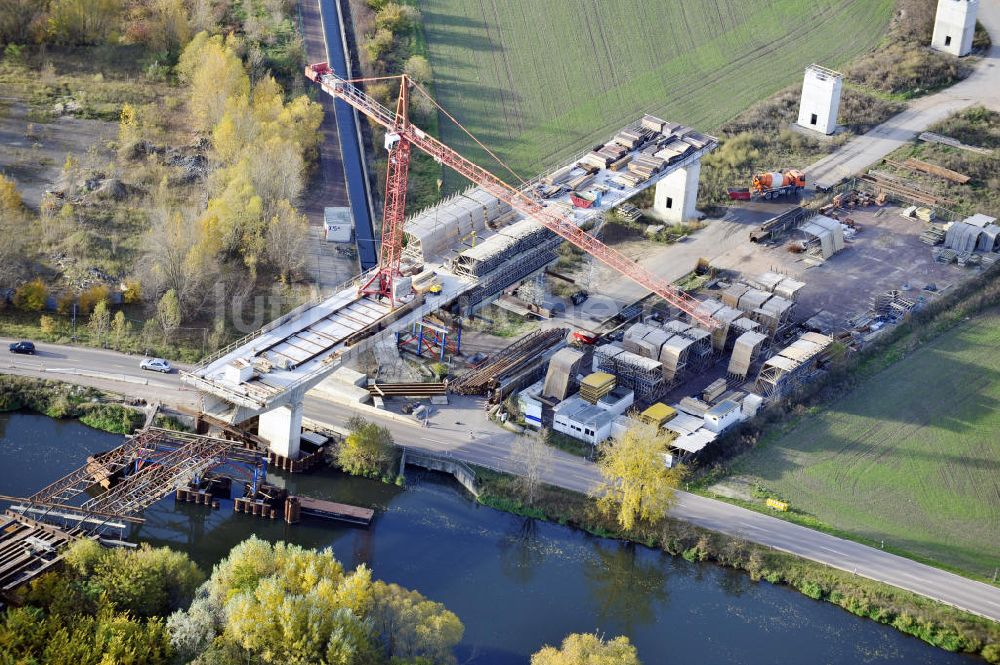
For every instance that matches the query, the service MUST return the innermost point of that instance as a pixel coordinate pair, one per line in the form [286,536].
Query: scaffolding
[792,366]
[644,376]
[747,348]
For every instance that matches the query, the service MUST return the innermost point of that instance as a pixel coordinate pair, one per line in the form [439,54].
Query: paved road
[477,441]
[982,87]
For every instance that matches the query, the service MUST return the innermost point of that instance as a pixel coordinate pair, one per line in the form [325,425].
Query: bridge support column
[282,428]
[676,195]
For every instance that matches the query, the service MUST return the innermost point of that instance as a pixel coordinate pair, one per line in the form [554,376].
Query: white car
[156,365]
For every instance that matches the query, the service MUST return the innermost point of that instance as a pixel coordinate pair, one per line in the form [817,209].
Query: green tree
[367,449]
[100,320]
[146,581]
[214,74]
[412,627]
[396,17]
[282,603]
[587,649]
[168,313]
[287,240]
[418,69]
[637,483]
[83,21]
[31,297]
[121,328]
[379,44]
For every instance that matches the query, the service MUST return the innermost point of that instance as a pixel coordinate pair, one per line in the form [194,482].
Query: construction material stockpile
[644,376]
[509,361]
[597,385]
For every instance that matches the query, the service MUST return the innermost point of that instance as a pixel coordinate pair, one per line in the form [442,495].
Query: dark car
[579,297]
[23,347]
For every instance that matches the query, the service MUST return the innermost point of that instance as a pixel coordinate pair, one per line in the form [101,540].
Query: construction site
[472,307]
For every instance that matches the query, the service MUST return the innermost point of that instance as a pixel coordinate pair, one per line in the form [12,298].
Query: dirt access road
[982,87]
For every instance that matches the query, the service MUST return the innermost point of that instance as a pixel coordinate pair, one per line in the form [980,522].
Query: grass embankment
[63,400]
[892,443]
[976,126]
[541,83]
[935,623]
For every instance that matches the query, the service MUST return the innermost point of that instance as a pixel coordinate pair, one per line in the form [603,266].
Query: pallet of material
[619,164]
[653,123]
[580,182]
[559,175]
[592,160]
[629,179]
[932,235]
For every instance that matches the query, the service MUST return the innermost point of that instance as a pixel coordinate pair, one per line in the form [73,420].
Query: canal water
[515,583]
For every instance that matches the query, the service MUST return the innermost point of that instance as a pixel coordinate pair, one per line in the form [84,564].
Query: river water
[515,583]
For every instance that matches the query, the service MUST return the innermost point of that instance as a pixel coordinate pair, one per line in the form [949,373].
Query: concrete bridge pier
[676,194]
[281,427]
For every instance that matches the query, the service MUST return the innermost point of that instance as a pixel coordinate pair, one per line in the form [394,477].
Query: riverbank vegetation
[102,606]
[65,400]
[264,603]
[588,649]
[368,450]
[933,622]
[168,152]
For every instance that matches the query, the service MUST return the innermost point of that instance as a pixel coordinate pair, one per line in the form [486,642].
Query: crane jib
[552,219]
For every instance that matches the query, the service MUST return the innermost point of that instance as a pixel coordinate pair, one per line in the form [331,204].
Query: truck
[770,185]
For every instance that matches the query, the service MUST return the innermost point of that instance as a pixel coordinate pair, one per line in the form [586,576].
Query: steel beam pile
[509,361]
[407,389]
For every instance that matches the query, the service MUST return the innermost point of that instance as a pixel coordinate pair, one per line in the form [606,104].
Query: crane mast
[552,218]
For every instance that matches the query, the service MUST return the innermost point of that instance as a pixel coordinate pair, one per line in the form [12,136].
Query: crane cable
[447,115]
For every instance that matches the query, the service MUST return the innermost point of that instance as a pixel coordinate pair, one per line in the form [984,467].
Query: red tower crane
[401,135]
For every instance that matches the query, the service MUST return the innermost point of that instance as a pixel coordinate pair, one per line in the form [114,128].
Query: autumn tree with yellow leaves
[638,486]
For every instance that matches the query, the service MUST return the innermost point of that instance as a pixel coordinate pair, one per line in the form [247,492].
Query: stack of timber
[407,389]
[508,361]
[597,385]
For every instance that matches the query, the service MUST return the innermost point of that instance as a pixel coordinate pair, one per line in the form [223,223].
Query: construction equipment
[401,135]
[770,185]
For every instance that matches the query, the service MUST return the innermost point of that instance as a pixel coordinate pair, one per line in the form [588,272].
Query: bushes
[31,297]
[113,418]
[62,400]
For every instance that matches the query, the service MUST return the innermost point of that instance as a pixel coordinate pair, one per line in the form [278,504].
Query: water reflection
[627,586]
[520,554]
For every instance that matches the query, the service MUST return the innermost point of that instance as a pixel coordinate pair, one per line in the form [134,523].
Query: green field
[912,455]
[540,81]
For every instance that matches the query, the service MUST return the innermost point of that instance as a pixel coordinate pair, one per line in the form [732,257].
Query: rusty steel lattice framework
[550,217]
[140,472]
